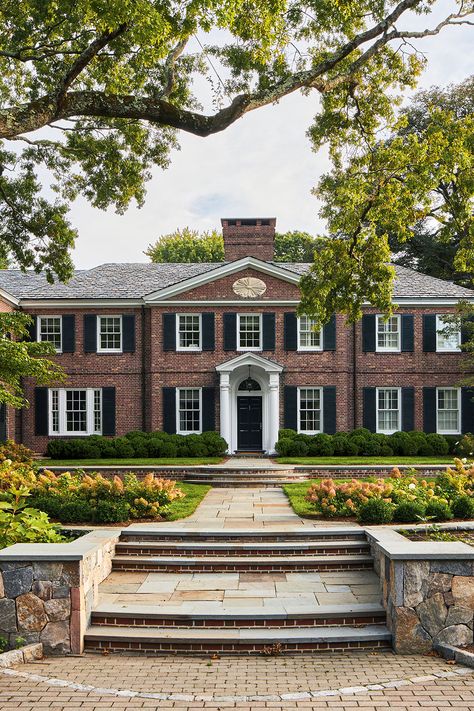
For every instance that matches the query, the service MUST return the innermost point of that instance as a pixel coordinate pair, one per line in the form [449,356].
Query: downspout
[143,383]
[354,376]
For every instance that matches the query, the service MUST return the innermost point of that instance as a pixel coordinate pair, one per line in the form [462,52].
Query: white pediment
[249,359]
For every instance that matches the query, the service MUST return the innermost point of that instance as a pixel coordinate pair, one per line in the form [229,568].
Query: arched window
[249,385]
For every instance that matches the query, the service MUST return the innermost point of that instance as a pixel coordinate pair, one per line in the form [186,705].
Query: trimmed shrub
[321,445]
[463,507]
[438,443]
[376,511]
[465,446]
[409,512]
[111,511]
[438,511]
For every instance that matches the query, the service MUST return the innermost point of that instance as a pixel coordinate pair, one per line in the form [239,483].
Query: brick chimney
[248,238]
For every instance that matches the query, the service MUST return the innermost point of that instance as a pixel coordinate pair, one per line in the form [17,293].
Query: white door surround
[267,374]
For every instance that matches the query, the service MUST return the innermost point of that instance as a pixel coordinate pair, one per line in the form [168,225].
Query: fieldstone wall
[428,602]
[50,600]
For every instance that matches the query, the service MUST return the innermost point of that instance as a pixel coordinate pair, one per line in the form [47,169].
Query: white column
[225,409]
[273,410]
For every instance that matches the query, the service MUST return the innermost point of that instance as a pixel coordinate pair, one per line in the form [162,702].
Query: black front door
[249,422]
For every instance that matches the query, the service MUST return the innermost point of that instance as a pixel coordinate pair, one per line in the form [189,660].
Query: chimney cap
[248,221]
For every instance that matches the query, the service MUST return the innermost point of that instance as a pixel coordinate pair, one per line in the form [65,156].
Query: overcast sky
[262,166]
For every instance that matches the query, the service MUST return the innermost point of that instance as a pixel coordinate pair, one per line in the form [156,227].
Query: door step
[152,640]
[262,564]
[241,549]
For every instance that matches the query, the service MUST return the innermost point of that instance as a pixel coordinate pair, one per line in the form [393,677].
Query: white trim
[62,431]
[307,349]
[187,432]
[6,296]
[228,302]
[222,271]
[249,358]
[399,397]
[38,330]
[321,409]
[387,349]
[459,409]
[79,303]
[189,349]
[252,348]
[109,350]
[439,329]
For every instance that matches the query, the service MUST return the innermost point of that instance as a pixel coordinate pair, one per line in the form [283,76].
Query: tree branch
[170,67]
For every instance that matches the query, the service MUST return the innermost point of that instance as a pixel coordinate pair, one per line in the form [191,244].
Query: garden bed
[46,462]
[391,461]
[440,534]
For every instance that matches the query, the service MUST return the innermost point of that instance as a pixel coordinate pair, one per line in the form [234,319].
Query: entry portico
[265,375]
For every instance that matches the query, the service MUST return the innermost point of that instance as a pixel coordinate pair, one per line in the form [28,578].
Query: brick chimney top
[249,237]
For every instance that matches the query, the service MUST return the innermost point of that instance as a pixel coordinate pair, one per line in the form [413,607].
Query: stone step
[217,564]
[154,640]
[239,548]
[159,533]
[108,615]
[244,482]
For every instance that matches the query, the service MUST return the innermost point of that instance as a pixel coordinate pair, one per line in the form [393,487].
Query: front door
[249,422]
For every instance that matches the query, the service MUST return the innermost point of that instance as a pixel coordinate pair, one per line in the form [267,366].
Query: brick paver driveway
[344,681]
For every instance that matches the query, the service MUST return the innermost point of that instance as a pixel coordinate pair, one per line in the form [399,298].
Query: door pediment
[249,359]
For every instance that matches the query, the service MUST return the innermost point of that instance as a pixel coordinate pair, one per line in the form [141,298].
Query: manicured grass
[182,508]
[392,461]
[296,495]
[165,462]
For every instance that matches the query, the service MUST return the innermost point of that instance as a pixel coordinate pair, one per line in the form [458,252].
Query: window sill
[73,434]
[446,350]
[111,352]
[446,432]
[387,350]
[189,350]
[310,350]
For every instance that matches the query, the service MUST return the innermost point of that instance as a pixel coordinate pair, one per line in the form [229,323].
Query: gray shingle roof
[136,280]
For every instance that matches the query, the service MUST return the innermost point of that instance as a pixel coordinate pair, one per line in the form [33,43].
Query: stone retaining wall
[427,590]
[47,591]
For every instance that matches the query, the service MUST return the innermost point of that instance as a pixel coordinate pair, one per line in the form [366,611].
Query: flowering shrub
[406,495]
[15,452]
[20,523]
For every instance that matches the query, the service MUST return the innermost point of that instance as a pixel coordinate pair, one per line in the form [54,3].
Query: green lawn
[296,495]
[392,461]
[182,508]
[165,462]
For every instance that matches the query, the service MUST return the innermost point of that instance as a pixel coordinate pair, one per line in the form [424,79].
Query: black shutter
[208,332]
[429,335]
[329,409]
[41,411]
[368,333]
[169,410]
[32,329]
[268,327]
[429,410]
[407,322]
[291,407]
[369,416]
[108,412]
[69,333]
[467,409]
[90,333]
[128,336]
[467,329]
[230,332]
[290,331]
[408,409]
[208,409]
[329,334]
[3,422]
[169,332]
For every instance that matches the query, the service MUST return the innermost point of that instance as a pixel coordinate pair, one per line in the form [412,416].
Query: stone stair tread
[157,530]
[128,610]
[217,545]
[270,636]
[184,560]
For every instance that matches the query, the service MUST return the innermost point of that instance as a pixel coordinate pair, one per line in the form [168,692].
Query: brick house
[192,347]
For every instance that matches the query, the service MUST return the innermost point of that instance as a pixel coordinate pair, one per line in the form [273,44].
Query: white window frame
[38,329]
[178,429]
[321,409]
[309,348]
[109,350]
[189,348]
[90,413]
[387,349]
[399,396]
[250,348]
[449,432]
[439,327]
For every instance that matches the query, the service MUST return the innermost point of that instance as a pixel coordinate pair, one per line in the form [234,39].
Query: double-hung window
[448,338]
[188,337]
[50,331]
[109,334]
[388,410]
[75,411]
[309,339]
[448,411]
[310,413]
[188,410]
[388,334]
[249,332]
